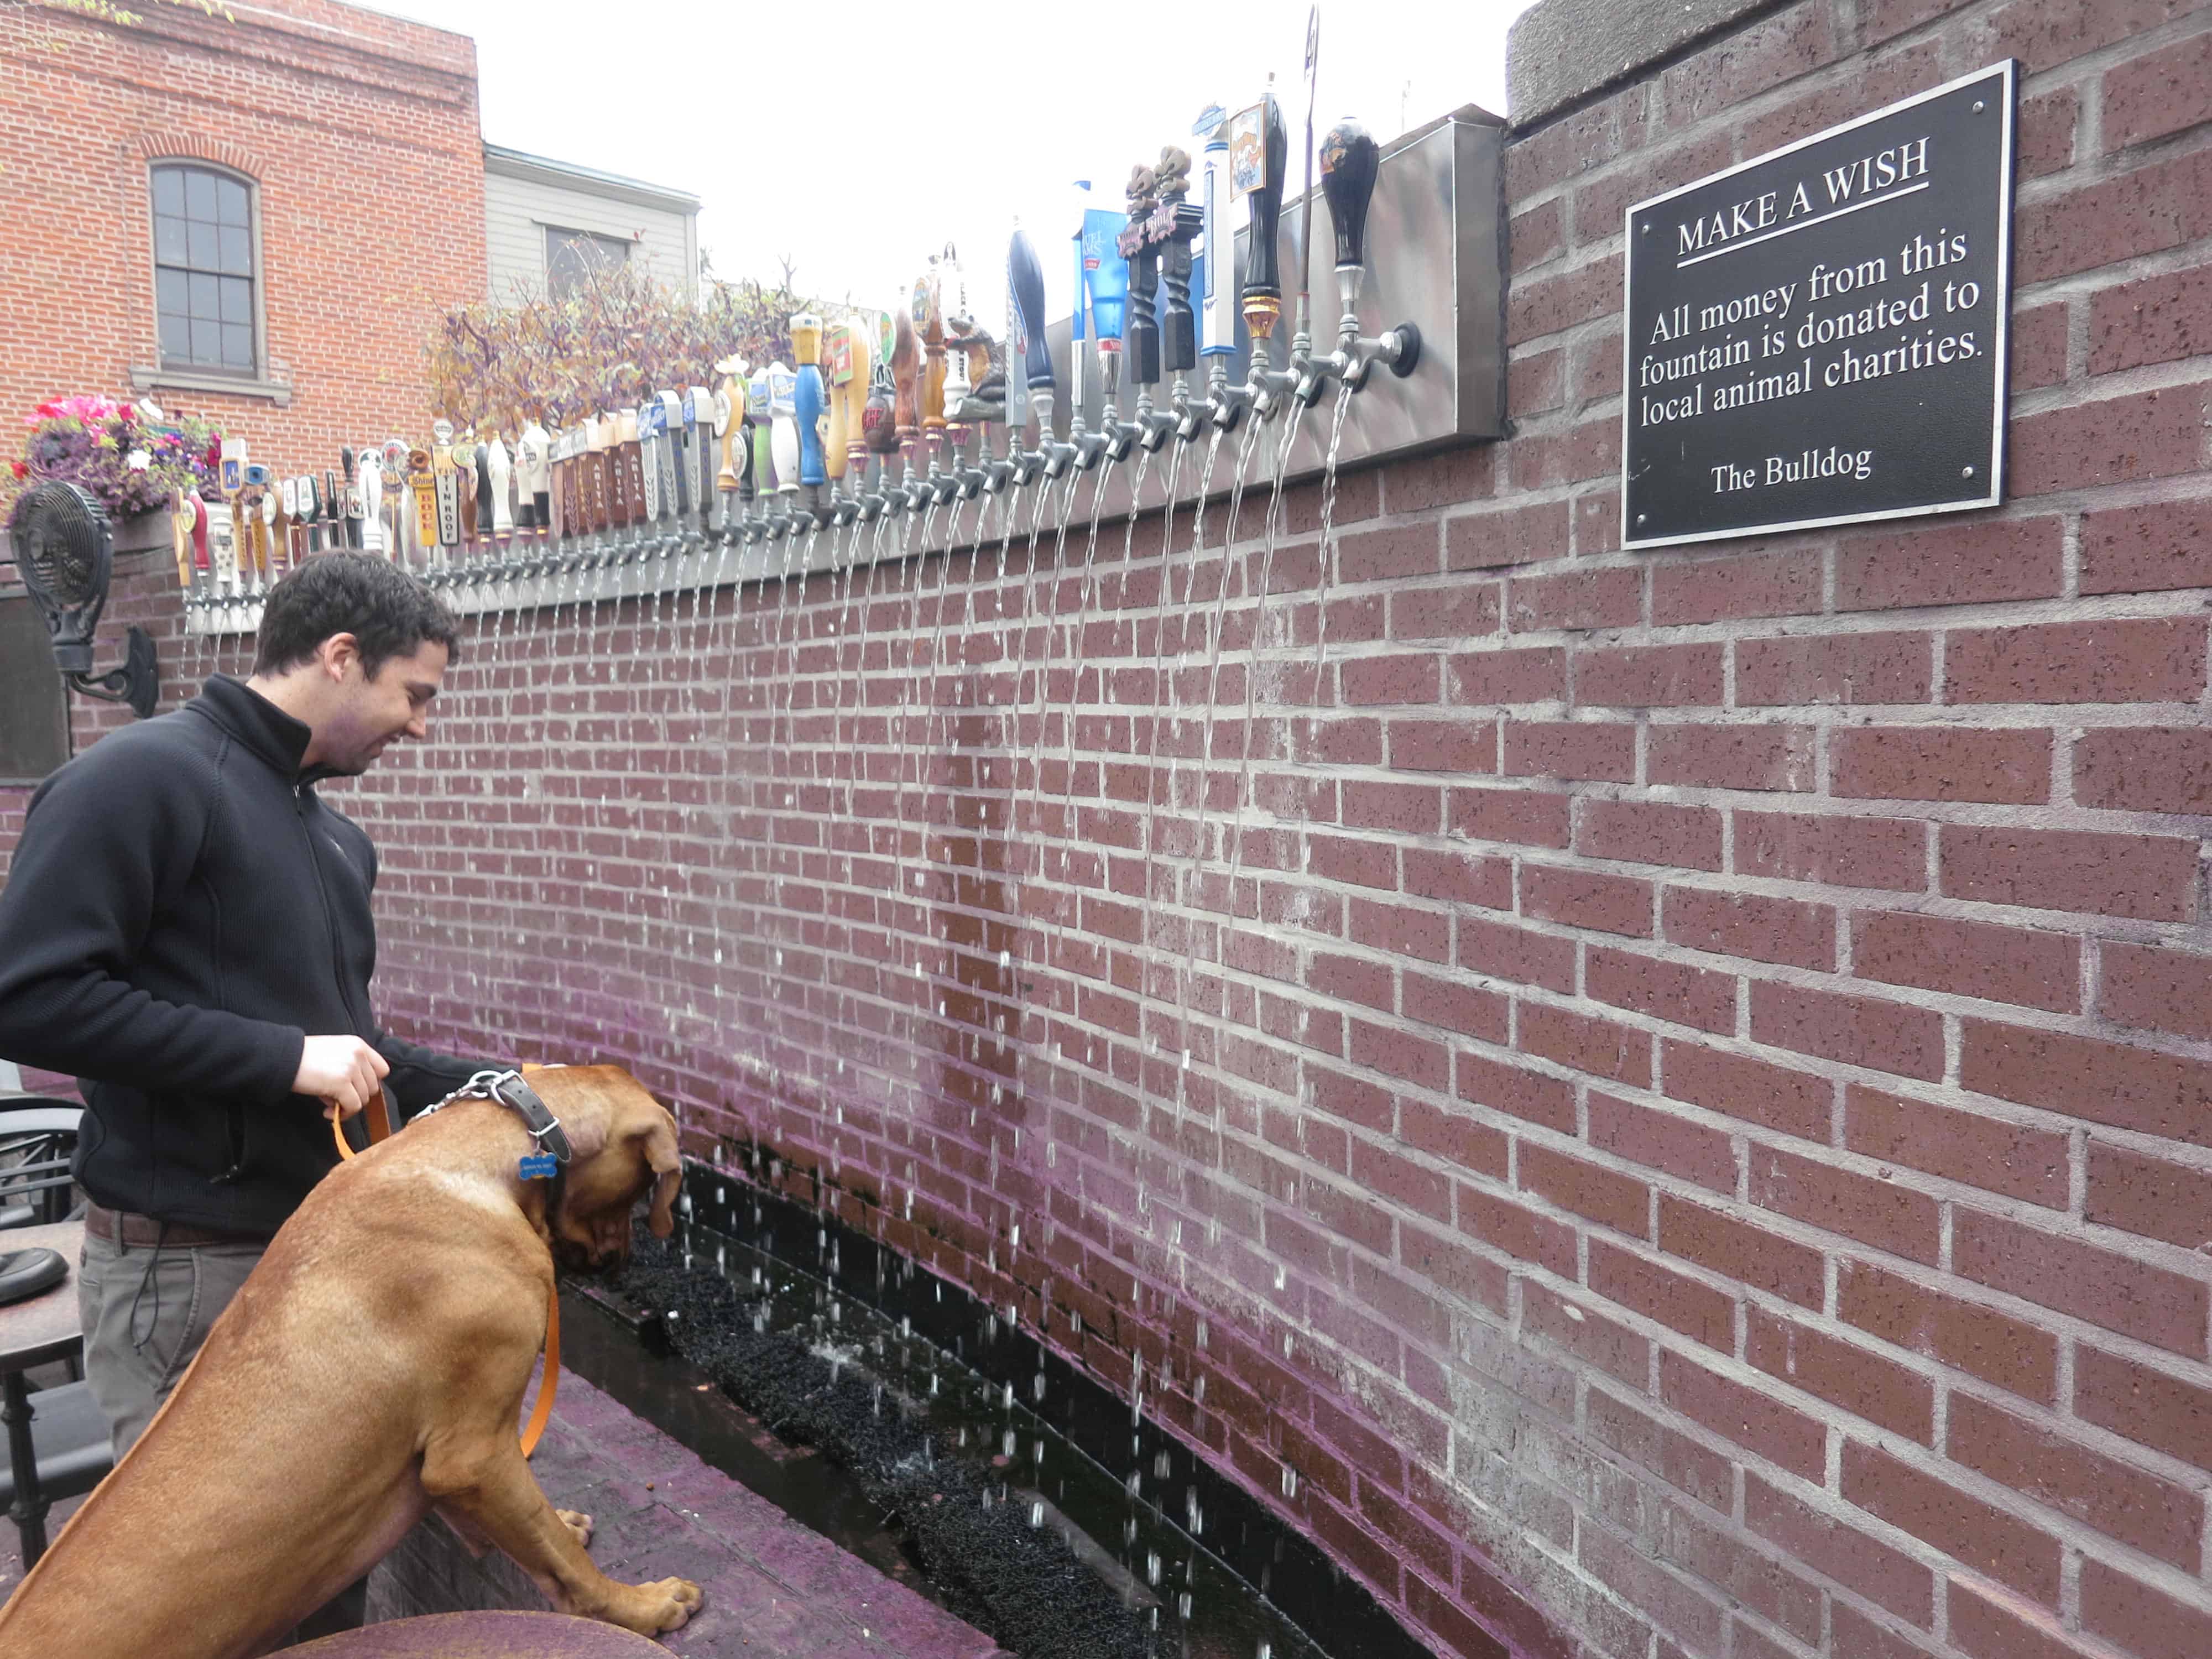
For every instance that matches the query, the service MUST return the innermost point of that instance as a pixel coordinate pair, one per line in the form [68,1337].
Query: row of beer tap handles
[879,421]
[876,420]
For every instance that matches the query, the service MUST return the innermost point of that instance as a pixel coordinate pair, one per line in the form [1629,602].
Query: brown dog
[373,1366]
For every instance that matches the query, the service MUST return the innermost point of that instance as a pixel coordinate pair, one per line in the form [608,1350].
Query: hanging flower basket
[130,458]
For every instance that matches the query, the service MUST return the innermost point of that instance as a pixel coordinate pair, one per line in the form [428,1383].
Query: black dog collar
[508,1089]
[511,1091]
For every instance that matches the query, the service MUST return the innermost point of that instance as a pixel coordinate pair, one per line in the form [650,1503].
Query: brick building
[1694,1135]
[258,220]
[298,193]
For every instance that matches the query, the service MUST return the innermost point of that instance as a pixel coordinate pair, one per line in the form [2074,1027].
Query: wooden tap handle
[906,359]
[929,326]
[731,391]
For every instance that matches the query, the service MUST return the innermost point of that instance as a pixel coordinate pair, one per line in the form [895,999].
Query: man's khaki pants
[145,1313]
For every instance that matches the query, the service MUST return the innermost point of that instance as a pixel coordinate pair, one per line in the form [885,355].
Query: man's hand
[343,1072]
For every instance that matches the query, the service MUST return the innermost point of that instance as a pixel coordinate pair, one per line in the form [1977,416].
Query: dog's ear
[657,1142]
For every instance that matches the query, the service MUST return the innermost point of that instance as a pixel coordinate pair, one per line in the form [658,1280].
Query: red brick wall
[1699,1144]
[362,131]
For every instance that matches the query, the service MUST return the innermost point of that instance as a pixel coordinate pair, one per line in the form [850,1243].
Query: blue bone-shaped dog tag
[540,1165]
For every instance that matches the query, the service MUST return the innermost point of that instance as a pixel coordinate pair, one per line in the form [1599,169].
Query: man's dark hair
[389,612]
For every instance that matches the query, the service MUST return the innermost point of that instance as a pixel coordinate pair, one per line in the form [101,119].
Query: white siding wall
[518,210]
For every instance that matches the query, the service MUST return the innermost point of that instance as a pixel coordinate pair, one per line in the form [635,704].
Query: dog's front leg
[494,1494]
[473,1538]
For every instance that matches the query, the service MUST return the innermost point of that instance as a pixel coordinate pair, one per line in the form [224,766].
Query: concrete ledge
[774,1589]
[1562,49]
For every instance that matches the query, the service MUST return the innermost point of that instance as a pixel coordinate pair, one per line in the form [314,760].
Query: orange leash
[378,1114]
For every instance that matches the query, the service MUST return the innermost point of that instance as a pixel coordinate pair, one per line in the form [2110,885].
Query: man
[186,929]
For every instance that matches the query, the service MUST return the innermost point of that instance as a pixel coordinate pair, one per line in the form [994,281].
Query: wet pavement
[775,1587]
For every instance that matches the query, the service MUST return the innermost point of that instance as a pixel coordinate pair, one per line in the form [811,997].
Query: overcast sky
[858,138]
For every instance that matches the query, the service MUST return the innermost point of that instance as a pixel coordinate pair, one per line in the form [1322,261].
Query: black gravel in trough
[1022,1586]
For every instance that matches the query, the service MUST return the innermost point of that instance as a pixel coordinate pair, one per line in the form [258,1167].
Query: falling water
[1147,865]
[1187,968]
[1272,525]
[1330,558]
[908,686]
[842,805]
[1011,724]
[1153,866]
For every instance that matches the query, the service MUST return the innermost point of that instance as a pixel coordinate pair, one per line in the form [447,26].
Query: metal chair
[70,1438]
[37,1134]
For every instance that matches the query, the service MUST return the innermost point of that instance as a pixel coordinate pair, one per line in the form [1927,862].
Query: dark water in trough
[883,1407]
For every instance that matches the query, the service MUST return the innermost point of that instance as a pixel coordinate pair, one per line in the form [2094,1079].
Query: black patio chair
[37,1135]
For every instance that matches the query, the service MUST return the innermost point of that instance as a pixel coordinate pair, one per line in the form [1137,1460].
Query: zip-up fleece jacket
[182,913]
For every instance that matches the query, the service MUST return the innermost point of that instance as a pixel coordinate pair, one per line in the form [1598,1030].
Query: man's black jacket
[182,913]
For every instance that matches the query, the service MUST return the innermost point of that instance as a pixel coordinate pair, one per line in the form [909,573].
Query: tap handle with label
[1259,151]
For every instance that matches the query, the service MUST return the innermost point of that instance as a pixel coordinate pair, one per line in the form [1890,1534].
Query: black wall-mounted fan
[65,554]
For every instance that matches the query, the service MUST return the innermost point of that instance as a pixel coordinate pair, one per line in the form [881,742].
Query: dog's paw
[579,1524]
[664,1606]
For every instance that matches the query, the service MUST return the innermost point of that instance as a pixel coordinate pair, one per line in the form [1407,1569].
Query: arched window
[207,269]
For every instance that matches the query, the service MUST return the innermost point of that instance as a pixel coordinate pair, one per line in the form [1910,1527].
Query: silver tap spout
[1153,425]
[968,480]
[1266,387]
[1050,458]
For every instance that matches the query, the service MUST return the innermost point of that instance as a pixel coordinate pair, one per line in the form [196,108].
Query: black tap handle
[1262,261]
[1349,161]
[1026,278]
[1141,334]
[1178,321]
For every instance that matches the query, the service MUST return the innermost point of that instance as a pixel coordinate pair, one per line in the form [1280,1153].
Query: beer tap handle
[465,483]
[730,410]
[929,328]
[784,448]
[1223,404]
[630,446]
[1141,336]
[760,410]
[1177,227]
[499,476]
[699,431]
[653,478]
[1026,283]
[422,483]
[1259,148]
[1350,161]
[533,481]
[851,372]
[807,398]
[349,486]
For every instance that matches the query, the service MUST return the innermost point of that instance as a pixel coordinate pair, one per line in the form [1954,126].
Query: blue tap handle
[807,406]
[807,397]
[1105,273]
[1026,278]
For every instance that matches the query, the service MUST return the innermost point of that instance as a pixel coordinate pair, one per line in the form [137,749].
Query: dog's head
[622,1145]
